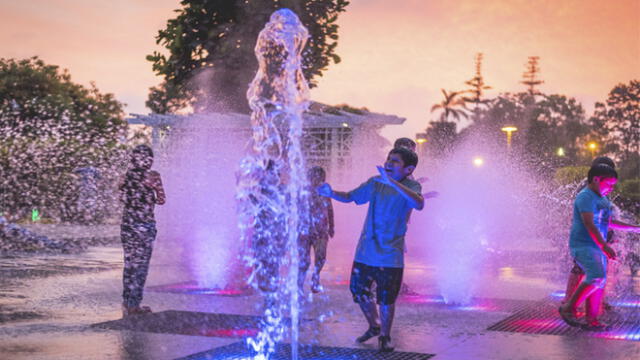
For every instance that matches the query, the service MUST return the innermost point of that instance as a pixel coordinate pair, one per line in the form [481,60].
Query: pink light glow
[538,323]
[230,332]
[421,299]
[619,335]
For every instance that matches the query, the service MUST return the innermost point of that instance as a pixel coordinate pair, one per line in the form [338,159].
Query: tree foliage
[49,127]
[39,100]
[615,125]
[210,50]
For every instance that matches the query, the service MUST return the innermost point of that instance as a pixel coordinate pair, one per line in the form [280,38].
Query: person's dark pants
[137,242]
[388,282]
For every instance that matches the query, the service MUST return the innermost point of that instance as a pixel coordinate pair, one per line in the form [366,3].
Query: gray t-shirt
[382,240]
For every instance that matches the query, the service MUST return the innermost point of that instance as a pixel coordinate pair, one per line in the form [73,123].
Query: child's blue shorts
[593,262]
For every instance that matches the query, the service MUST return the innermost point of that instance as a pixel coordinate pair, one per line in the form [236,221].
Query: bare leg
[593,305]
[583,291]
[572,283]
[370,313]
[386,317]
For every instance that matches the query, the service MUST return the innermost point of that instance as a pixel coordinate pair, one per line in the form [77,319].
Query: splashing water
[271,182]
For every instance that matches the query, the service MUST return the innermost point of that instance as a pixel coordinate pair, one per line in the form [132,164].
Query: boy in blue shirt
[380,252]
[591,220]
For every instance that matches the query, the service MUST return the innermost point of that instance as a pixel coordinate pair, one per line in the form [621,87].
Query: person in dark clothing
[319,227]
[140,191]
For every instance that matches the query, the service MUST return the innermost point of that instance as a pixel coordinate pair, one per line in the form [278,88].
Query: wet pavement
[49,302]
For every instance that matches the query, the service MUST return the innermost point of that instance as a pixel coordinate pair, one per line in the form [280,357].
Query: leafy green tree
[210,50]
[556,122]
[39,100]
[50,126]
[615,125]
[545,123]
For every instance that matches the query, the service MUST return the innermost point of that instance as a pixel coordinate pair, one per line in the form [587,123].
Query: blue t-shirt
[382,240]
[588,201]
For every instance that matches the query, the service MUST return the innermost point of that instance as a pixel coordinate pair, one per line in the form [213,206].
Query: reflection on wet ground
[49,302]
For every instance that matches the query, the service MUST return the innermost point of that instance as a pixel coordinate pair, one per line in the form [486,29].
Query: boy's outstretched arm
[416,200]
[587,220]
[326,191]
[623,226]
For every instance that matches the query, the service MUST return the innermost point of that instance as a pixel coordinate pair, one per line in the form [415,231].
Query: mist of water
[197,224]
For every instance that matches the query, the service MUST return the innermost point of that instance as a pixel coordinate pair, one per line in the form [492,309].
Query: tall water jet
[271,182]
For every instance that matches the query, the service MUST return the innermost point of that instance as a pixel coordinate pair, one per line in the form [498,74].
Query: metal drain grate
[542,318]
[239,351]
[194,289]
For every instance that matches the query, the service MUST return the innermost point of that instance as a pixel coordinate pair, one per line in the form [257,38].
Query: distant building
[331,133]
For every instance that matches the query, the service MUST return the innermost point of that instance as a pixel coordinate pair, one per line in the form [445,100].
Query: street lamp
[592,146]
[509,130]
[421,138]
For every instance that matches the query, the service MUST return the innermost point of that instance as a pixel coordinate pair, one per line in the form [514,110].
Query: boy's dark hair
[604,160]
[317,171]
[143,150]
[405,143]
[409,158]
[601,170]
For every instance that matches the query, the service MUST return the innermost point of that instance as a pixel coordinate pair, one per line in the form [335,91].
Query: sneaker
[371,332]
[595,325]
[316,288]
[569,317]
[384,344]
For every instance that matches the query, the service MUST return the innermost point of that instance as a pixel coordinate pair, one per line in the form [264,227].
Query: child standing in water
[591,220]
[140,191]
[318,229]
[380,251]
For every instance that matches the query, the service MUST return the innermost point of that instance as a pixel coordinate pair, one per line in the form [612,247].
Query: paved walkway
[49,302]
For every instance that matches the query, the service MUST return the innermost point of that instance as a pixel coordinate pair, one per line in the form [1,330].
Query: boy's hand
[152,179]
[431,195]
[384,177]
[325,190]
[608,250]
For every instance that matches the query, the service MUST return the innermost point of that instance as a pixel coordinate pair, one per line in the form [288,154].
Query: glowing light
[560,152]
[506,273]
[422,299]
[592,145]
[478,161]
[344,124]
[421,140]
[35,215]
[509,130]
[557,294]
[626,303]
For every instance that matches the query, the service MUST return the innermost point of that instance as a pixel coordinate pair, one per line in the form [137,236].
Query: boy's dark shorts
[388,282]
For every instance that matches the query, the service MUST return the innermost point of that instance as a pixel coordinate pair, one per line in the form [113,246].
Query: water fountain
[272,179]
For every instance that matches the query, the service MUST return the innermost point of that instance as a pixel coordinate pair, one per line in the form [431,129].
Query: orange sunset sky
[396,54]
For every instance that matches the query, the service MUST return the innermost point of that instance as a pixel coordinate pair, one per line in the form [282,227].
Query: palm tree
[452,105]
